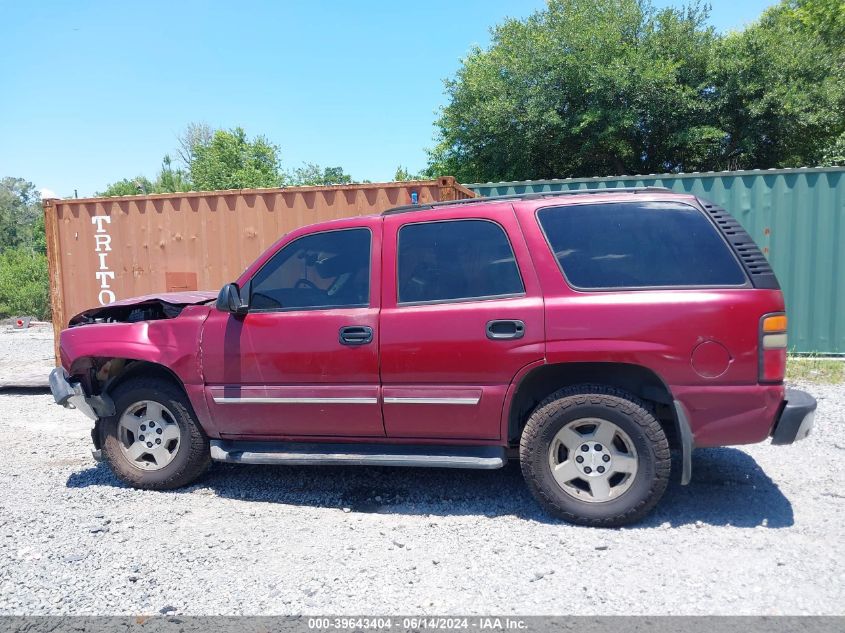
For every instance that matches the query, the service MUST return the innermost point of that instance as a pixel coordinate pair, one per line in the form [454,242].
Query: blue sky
[93,92]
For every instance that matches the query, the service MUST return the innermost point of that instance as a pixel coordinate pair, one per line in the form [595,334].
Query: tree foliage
[402,174]
[169,180]
[225,159]
[600,87]
[230,160]
[24,286]
[312,175]
[194,135]
[21,215]
[779,89]
[834,154]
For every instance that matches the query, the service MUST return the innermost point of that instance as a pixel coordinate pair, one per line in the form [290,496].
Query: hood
[163,305]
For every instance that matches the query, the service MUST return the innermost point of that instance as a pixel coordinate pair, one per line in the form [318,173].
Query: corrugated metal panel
[797,216]
[105,249]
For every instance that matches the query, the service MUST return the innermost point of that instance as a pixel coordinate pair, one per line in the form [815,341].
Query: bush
[24,284]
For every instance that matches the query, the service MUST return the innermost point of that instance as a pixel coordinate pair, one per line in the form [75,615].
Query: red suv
[584,333]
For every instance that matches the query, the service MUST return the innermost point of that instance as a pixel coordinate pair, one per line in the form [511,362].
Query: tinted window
[323,270]
[639,244]
[462,259]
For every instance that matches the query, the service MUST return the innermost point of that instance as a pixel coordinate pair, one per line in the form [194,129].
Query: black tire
[626,412]
[192,456]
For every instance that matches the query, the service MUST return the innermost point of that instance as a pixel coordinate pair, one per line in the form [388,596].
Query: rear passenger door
[462,313]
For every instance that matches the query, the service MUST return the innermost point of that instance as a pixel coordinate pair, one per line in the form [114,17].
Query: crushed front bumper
[71,395]
[796,418]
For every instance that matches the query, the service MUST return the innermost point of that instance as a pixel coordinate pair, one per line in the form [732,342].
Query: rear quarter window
[638,245]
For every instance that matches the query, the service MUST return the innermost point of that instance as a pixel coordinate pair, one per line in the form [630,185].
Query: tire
[635,465]
[179,450]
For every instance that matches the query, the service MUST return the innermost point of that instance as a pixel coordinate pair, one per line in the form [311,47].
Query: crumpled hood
[163,304]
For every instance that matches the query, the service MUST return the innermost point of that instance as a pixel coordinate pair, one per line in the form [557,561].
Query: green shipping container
[796,216]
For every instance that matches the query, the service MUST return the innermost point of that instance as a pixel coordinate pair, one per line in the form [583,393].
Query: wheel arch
[147,368]
[101,374]
[637,380]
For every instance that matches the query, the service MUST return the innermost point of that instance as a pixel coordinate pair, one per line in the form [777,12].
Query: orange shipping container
[101,250]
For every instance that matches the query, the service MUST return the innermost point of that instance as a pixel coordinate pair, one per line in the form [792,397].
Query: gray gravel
[26,356]
[759,531]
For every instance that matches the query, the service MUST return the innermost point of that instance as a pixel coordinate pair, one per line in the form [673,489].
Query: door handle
[505,329]
[356,335]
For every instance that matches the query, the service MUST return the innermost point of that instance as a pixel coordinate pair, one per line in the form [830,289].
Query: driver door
[304,360]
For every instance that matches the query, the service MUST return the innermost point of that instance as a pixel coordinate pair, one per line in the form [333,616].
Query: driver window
[323,270]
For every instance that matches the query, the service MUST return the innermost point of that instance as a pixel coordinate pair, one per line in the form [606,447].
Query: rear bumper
[796,420]
[730,415]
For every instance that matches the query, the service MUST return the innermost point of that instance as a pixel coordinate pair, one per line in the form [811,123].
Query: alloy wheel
[149,435]
[593,460]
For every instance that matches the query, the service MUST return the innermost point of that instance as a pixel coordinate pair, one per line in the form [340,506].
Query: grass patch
[819,370]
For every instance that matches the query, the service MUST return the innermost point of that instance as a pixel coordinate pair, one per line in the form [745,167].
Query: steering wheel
[305,283]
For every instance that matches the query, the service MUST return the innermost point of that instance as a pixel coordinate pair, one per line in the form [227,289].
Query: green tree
[601,87]
[779,87]
[225,159]
[39,236]
[402,174]
[169,180]
[230,160]
[24,286]
[834,154]
[823,18]
[313,175]
[21,215]
[129,187]
[194,135]
[583,87]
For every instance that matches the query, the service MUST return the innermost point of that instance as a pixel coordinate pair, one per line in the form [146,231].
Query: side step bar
[300,454]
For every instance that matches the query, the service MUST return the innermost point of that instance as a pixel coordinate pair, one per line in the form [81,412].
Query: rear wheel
[153,441]
[594,455]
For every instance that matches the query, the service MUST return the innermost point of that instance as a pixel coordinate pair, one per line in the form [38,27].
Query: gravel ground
[26,356]
[759,531]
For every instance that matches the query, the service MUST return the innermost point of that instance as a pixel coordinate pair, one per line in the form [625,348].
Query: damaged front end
[155,307]
[106,344]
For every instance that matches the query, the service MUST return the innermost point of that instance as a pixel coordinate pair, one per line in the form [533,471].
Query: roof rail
[521,196]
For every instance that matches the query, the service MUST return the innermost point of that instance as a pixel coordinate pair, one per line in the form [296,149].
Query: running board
[297,454]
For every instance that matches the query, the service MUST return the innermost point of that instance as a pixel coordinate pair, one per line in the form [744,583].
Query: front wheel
[594,455]
[153,441]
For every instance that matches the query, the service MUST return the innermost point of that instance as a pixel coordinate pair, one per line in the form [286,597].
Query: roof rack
[522,196]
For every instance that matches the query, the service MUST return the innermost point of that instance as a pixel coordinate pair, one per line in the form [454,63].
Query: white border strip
[225,400]
[469,401]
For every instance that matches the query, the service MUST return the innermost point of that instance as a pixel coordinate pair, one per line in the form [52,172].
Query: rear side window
[455,260]
[638,244]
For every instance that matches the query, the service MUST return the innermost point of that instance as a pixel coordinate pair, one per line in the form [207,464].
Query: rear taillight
[773,347]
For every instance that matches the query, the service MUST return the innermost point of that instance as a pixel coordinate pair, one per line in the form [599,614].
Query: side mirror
[229,300]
